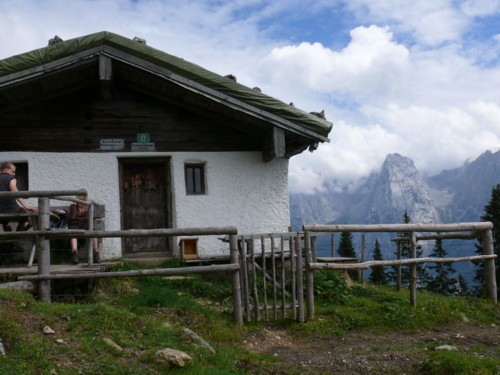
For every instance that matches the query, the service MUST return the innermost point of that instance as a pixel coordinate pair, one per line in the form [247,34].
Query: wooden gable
[73,102]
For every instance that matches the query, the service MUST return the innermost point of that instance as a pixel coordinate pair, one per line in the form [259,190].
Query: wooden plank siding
[77,122]
[95,97]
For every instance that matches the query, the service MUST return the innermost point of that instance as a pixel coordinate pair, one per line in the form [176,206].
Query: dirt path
[361,353]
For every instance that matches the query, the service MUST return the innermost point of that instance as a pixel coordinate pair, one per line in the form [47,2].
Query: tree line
[435,277]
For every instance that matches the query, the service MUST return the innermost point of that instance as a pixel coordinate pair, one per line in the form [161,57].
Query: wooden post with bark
[43,246]
[309,276]
[489,266]
[413,271]
[398,268]
[361,274]
[300,282]
[234,257]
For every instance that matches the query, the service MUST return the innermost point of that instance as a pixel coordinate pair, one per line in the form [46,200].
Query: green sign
[143,138]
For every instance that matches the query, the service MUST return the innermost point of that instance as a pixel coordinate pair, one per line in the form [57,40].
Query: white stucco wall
[242,190]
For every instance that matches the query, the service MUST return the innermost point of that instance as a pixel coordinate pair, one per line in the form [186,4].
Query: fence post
[413,271]
[309,276]
[398,268]
[43,249]
[233,248]
[88,242]
[264,274]
[299,278]
[489,266]
[361,275]
[293,278]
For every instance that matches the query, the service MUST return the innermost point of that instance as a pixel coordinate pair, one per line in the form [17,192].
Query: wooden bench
[98,213]
[33,220]
[21,217]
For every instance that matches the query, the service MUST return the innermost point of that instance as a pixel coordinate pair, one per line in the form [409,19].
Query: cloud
[429,23]
[353,153]
[370,67]
[477,8]
[415,77]
[439,139]
[434,105]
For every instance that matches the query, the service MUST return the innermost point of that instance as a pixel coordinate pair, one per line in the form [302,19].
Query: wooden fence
[267,269]
[448,231]
[43,235]
[271,276]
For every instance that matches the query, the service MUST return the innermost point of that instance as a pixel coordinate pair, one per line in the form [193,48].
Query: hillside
[356,330]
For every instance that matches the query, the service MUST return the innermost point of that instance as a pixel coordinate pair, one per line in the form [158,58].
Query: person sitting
[8,182]
[78,218]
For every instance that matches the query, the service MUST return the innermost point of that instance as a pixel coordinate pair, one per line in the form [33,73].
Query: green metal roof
[12,68]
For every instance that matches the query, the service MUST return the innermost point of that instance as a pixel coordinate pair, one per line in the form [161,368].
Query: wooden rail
[133,273]
[44,235]
[243,256]
[452,231]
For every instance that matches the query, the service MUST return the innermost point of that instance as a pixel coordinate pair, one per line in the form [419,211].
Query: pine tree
[440,281]
[347,250]
[345,246]
[405,244]
[378,274]
[404,247]
[491,213]
[463,288]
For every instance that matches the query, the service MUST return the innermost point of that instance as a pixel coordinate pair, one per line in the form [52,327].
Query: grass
[145,314]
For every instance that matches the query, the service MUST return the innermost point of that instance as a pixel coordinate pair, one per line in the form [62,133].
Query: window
[195,178]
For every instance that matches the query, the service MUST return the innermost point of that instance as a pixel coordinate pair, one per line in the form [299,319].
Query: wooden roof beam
[274,144]
[105,77]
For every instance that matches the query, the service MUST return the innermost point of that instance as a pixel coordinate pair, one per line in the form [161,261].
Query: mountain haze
[456,195]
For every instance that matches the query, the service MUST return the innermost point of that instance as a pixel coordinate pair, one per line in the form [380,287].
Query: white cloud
[412,76]
[475,8]
[429,22]
[353,153]
[439,139]
[370,68]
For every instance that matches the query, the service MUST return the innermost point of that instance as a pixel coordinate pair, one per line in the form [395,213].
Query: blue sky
[416,77]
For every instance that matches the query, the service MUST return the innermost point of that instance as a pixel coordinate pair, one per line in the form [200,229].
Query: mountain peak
[452,196]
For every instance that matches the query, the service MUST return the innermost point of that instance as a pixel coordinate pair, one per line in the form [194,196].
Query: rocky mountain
[466,189]
[456,195]
[452,196]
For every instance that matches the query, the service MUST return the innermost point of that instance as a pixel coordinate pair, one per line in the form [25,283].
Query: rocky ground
[362,353]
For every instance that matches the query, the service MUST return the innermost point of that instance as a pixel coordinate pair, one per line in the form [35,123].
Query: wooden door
[145,204]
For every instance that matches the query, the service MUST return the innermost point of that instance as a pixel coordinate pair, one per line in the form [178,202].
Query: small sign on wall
[112,144]
[135,146]
[143,138]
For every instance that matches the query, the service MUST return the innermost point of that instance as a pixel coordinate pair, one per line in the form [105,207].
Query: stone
[48,331]
[450,348]
[112,344]
[173,357]
[199,339]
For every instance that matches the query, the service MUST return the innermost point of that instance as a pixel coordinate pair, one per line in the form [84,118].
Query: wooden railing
[243,255]
[43,235]
[443,231]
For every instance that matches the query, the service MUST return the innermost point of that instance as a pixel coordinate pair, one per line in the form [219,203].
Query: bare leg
[74,250]
[95,253]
